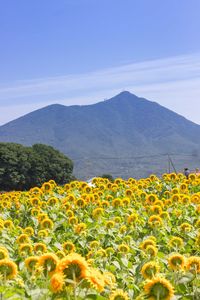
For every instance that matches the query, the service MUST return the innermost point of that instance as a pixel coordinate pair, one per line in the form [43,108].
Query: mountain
[109,136]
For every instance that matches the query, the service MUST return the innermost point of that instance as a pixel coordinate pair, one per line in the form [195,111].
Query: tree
[24,167]
[108,176]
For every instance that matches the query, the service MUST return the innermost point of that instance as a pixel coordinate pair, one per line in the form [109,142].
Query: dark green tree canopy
[24,167]
[108,176]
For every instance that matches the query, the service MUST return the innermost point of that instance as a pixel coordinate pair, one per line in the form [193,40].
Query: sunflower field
[127,239]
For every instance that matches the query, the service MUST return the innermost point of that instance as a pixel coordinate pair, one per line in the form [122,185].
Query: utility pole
[171,163]
[169,170]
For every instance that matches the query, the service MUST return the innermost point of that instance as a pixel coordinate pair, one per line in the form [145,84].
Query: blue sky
[83,51]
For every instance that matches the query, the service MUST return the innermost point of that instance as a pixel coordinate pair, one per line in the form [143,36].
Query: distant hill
[110,136]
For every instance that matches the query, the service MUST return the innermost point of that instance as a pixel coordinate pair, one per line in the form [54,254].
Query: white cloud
[173,82]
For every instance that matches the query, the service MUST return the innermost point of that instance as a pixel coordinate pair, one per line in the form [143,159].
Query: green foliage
[25,167]
[108,176]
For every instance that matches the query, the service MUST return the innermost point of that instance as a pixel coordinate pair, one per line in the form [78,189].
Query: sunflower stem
[74,285]
[158,296]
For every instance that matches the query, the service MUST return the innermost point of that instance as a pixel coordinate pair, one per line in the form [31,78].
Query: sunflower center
[6,270]
[176,261]
[118,297]
[150,271]
[49,265]
[160,290]
[2,255]
[73,270]
[32,264]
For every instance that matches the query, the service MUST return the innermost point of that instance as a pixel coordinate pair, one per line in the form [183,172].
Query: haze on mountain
[124,136]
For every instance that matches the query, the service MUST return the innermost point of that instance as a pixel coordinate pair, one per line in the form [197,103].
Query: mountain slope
[122,126]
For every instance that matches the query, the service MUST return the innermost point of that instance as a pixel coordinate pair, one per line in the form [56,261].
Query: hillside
[97,135]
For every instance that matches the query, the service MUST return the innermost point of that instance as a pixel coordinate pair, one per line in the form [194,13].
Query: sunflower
[25,249]
[73,266]
[43,204]
[105,203]
[151,198]
[118,295]
[195,198]
[109,197]
[80,202]
[42,216]
[97,212]
[168,202]
[46,224]
[123,248]
[185,200]
[155,220]
[193,264]
[123,229]
[40,248]
[197,224]
[156,209]
[164,215]
[128,238]
[109,279]
[185,227]
[68,247]
[23,238]
[150,269]
[126,201]
[183,187]
[151,250]
[43,233]
[35,212]
[159,203]
[71,197]
[69,213]
[60,254]
[73,220]
[197,241]
[5,204]
[94,244]
[8,269]
[49,263]
[46,187]
[117,202]
[117,219]
[176,242]
[52,201]
[146,243]
[128,192]
[66,205]
[176,262]
[110,224]
[95,279]
[35,202]
[101,253]
[159,289]
[35,191]
[29,230]
[198,208]
[31,262]
[8,224]
[132,218]
[109,251]
[57,282]
[79,228]
[3,253]
[87,189]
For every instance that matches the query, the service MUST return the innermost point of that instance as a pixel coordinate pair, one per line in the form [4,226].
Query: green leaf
[95,297]
[124,261]
[116,264]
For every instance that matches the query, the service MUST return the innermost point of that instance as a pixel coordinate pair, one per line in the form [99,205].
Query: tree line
[24,167]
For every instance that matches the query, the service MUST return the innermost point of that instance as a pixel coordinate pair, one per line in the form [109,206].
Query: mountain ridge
[122,126]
